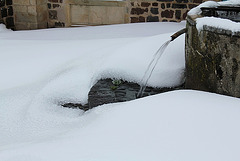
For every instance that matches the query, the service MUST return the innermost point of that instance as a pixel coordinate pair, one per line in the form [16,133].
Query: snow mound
[3,28]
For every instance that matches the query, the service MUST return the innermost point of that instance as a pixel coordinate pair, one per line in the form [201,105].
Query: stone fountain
[213,53]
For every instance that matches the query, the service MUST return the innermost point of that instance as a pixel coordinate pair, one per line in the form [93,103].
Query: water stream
[151,68]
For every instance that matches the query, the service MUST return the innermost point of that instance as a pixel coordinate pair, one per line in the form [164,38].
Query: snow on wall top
[197,10]
[218,23]
[214,21]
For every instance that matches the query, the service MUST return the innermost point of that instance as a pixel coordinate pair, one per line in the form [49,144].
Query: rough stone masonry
[161,10]
[6,14]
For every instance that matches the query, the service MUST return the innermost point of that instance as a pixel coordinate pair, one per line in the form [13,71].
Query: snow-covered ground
[42,69]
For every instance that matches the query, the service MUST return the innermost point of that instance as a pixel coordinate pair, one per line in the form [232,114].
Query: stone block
[19,8]
[49,6]
[190,6]
[138,11]
[141,19]
[185,14]
[32,26]
[41,2]
[152,19]
[154,4]
[154,11]
[56,5]
[55,1]
[116,15]
[32,10]
[182,1]
[145,4]
[98,15]
[197,1]
[52,14]
[21,2]
[21,25]
[165,0]
[168,5]
[62,17]
[178,14]
[33,2]
[42,25]
[51,24]
[177,5]
[42,13]
[25,17]
[79,14]
[10,11]
[4,12]
[9,22]
[163,5]
[2,3]
[134,19]
[59,24]
[167,14]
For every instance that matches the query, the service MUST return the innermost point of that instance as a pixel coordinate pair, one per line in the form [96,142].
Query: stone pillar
[30,14]
[212,59]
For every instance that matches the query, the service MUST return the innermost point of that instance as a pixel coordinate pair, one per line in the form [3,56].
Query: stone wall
[212,60]
[6,14]
[161,10]
[37,14]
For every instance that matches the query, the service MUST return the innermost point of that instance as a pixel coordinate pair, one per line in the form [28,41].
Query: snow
[214,21]
[3,28]
[201,127]
[218,23]
[197,10]
[42,69]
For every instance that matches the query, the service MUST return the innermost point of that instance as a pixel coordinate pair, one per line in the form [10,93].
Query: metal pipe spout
[177,34]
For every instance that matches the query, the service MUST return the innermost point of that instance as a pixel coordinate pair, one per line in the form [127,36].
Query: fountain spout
[175,35]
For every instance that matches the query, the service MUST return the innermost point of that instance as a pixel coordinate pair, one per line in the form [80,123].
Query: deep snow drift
[42,69]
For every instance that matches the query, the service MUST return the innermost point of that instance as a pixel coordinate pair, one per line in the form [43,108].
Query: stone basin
[106,91]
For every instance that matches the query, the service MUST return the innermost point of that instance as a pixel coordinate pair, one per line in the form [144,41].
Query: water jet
[154,62]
